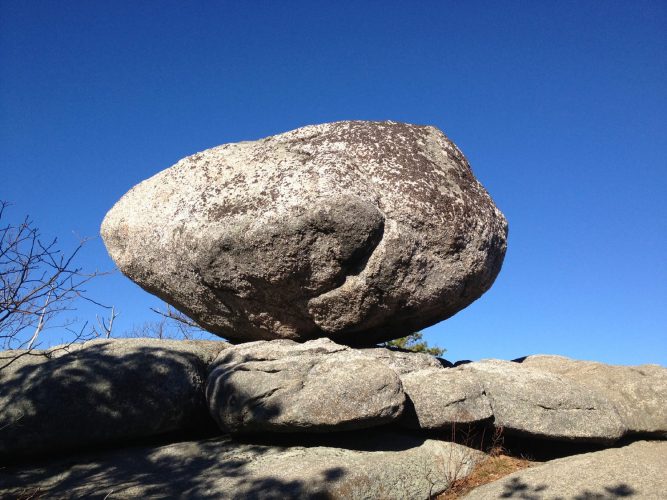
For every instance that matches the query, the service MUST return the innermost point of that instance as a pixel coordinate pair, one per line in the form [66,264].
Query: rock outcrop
[516,398]
[102,391]
[356,231]
[384,465]
[306,249]
[639,393]
[277,397]
[317,386]
[634,471]
[284,386]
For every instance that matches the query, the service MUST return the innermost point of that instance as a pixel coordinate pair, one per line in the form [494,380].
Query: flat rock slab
[317,386]
[639,393]
[634,471]
[101,391]
[357,231]
[385,465]
[518,398]
[541,404]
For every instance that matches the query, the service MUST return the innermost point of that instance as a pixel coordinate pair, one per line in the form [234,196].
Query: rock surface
[440,398]
[357,231]
[541,404]
[520,399]
[639,393]
[634,471]
[403,362]
[317,386]
[386,465]
[102,391]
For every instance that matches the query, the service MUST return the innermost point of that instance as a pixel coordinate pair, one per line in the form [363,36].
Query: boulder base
[284,386]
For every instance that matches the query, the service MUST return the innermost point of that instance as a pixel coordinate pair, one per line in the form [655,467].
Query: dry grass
[488,470]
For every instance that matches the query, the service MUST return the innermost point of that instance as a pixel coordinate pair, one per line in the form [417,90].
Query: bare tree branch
[177,316]
[40,324]
[37,281]
[172,324]
[106,329]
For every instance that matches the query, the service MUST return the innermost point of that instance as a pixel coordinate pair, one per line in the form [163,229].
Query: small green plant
[415,343]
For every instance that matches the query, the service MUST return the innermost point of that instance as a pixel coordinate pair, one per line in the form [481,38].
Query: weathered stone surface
[518,398]
[443,397]
[639,393]
[384,465]
[538,403]
[284,386]
[100,392]
[403,362]
[357,231]
[634,471]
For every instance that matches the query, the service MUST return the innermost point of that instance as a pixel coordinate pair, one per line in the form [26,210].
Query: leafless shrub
[38,282]
[171,324]
[467,471]
[460,459]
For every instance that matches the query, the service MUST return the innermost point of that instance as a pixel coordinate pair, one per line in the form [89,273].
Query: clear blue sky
[560,107]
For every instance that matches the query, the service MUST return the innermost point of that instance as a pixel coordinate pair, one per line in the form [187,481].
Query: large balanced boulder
[639,393]
[317,386]
[102,391]
[381,465]
[357,231]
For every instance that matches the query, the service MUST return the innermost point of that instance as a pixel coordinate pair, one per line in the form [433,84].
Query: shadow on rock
[520,489]
[110,392]
[359,465]
[201,469]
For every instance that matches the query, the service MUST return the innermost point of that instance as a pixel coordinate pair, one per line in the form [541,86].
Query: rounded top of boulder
[358,231]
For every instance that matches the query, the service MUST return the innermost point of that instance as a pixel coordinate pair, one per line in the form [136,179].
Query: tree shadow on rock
[213,468]
[112,392]
[520,489]
[610,492]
